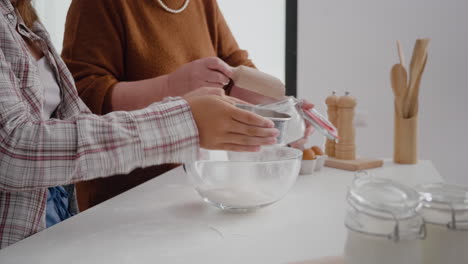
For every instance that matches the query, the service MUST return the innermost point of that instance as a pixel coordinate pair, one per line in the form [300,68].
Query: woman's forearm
[127,96]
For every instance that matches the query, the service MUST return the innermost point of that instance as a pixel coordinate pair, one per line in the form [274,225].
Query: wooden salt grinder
[332,102]
[345,149]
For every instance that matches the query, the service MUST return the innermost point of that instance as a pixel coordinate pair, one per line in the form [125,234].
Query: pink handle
[321,122]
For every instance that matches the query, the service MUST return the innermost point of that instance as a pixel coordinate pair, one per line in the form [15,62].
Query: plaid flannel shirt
[75,145]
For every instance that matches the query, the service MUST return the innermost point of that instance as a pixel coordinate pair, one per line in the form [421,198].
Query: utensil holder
[405,140]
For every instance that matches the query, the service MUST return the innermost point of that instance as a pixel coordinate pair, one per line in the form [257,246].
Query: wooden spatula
[414,95]
[399,79]
[401,54]
[417,61]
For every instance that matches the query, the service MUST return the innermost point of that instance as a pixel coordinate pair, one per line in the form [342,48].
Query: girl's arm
[37,154]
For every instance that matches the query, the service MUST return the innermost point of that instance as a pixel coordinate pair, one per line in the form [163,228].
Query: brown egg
[308,154]
[317,150]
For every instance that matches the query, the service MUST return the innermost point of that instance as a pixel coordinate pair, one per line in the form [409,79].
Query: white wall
[350,45]
[52,14]
[259,28]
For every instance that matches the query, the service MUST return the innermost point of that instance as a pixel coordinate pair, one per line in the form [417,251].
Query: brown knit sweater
[108,41]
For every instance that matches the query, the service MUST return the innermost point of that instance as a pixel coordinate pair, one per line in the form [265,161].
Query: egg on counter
[317,150]
[308,162]
[308,154]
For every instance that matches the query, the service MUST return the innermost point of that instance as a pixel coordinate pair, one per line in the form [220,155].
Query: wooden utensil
[414,96]
[399,80]
[400,54]
[405,149]
[417,60]
[255,86]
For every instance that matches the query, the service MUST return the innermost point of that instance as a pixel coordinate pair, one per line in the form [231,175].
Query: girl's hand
[223,126]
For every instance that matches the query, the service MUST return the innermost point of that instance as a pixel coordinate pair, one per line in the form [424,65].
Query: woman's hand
[223,126]
[212,72]
[299,144]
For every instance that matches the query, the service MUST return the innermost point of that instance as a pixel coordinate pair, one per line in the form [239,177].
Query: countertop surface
[165,221]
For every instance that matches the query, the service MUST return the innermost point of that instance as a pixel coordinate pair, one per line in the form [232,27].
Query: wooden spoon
[399,80]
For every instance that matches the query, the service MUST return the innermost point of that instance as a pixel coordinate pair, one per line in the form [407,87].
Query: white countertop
[165,221]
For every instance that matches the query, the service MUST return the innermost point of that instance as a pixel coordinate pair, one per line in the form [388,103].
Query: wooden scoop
[399,80]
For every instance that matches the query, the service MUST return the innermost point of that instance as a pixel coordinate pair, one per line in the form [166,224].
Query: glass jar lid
[384,198]
[445,204]
[385,208]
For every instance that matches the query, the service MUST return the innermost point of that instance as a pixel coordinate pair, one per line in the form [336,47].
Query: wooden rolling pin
[257,86]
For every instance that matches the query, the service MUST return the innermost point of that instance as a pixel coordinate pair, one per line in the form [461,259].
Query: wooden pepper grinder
[332,103]
[345,149]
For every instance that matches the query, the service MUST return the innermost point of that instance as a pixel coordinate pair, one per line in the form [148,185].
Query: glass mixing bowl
[241,181]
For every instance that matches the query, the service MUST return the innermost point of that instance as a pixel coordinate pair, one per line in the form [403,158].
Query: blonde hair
[27,11]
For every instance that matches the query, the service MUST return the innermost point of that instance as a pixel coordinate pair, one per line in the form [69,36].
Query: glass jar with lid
[445,211]
[383,224]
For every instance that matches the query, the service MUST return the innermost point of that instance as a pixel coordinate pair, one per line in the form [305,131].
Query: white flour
[236,198]
[363,249]
[445,246]
[243,180]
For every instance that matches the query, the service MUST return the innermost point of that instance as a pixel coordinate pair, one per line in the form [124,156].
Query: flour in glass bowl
[243,181]
[236,198]
[246,180]
[246,185]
